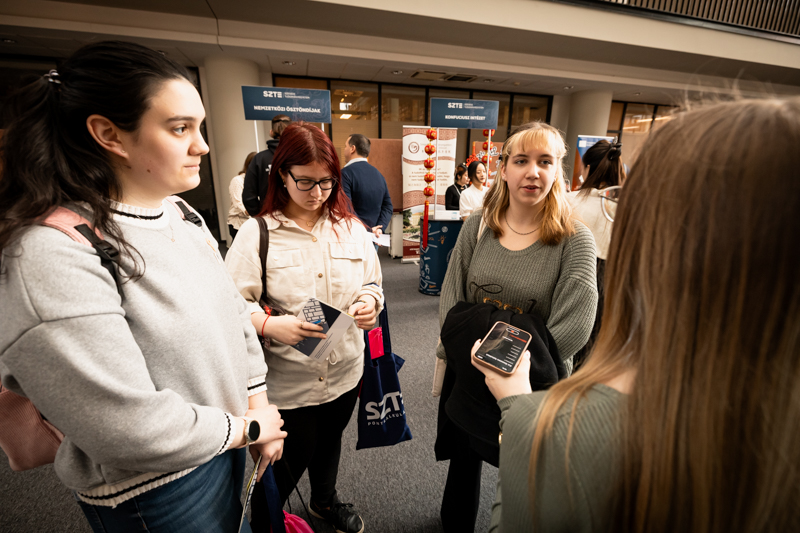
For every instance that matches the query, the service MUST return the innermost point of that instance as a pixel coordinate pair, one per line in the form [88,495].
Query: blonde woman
[531,255]
[686,415]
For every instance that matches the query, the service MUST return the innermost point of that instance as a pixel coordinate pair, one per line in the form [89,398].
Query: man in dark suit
[365,185]
[257,175]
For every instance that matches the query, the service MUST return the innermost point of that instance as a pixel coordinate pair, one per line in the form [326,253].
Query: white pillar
[559,113]
[231,136]
[588,115]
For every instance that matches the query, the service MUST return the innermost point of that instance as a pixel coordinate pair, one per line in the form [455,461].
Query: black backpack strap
[77,228]
[263,249]
[188,214]
[109,256]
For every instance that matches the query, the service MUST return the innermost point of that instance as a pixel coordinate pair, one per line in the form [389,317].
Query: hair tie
[615,151]
[53,77]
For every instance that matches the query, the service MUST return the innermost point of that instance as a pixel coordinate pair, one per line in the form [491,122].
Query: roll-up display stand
[440,228]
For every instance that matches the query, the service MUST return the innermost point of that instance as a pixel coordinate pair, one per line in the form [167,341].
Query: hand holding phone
[502,348]
[501,384]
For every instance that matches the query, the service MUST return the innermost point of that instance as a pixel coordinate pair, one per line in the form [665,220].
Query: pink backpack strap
[66,221]
[187,213]
[80,230]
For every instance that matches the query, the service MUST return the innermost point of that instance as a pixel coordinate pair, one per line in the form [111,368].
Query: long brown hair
[557,217]
[703,303]
[48,156]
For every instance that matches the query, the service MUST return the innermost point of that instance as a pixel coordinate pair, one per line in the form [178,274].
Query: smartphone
[502,348]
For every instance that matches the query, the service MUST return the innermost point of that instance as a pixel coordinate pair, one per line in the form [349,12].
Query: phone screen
[503,347]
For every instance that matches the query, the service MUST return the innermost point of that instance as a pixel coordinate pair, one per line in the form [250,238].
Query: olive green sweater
[574,502]
[559,278]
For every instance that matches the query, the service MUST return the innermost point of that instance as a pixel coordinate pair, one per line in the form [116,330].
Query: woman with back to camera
[317,249]
[687,414]
[237,214]
[472,197]
[530,250]
[148,380]
[452,195]
[601,168]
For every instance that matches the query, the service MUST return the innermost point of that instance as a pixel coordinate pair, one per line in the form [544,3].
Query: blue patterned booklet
[334,323]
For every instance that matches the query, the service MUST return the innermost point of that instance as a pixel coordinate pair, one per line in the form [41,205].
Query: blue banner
[456,113]
[263,103]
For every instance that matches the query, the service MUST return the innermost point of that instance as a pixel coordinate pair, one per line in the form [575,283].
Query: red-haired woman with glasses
[317,249]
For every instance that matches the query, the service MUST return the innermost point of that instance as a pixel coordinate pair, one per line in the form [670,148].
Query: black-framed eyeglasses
[307,184]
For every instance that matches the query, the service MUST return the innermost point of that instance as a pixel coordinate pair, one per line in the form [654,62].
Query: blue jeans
[206,500]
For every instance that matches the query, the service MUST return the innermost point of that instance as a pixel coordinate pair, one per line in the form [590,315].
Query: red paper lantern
[430,149]
[431,133]
[486,133]
[428,191]
[429,163]
[487,145]
[485,159]
[430,178]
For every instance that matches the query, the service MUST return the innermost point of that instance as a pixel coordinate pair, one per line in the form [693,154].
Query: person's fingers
[475,346]
[261,469]
[524,366]
[254,453]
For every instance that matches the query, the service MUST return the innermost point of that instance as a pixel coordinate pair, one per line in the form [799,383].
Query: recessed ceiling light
[289,63]
[9,41]
[345,116]
[636,94]
[488,81]
[516,84]
[396,72]
[568,87]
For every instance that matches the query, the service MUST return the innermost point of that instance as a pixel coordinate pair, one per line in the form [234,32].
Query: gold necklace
[310,224]
[515,231]
[171,232]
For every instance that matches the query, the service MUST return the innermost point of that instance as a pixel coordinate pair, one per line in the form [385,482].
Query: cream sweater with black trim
[143,385]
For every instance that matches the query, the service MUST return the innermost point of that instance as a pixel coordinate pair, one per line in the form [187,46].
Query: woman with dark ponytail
[601,168]
[150,367]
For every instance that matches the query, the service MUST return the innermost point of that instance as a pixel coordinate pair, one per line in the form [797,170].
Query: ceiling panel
[325,68]
[359,21]
[183,7]
[282,65]
[361,71]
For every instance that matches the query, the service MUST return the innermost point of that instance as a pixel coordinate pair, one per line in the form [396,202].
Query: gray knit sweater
[574,502]
[142,386]
[560,278]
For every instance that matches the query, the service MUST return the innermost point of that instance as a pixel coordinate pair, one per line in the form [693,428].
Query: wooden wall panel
[386,155]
